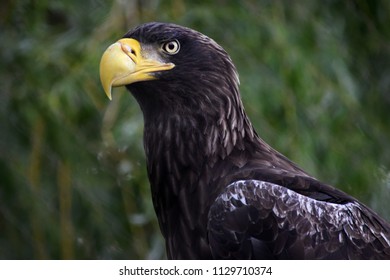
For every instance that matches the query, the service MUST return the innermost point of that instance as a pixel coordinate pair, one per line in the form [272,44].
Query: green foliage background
[315,80]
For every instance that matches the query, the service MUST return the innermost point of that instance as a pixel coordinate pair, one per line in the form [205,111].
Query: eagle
[219,190]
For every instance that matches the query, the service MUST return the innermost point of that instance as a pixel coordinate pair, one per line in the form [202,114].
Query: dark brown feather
[218,189]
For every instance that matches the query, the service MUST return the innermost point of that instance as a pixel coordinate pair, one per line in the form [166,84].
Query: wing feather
[257,219]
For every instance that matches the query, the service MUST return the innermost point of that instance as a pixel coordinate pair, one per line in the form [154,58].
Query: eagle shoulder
[254,219]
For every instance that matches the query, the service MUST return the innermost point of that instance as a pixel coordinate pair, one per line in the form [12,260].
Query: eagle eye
[171,47]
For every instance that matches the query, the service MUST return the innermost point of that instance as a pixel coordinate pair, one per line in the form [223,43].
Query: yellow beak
[124,62]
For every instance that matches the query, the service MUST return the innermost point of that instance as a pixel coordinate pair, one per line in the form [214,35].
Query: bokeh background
[315,81]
